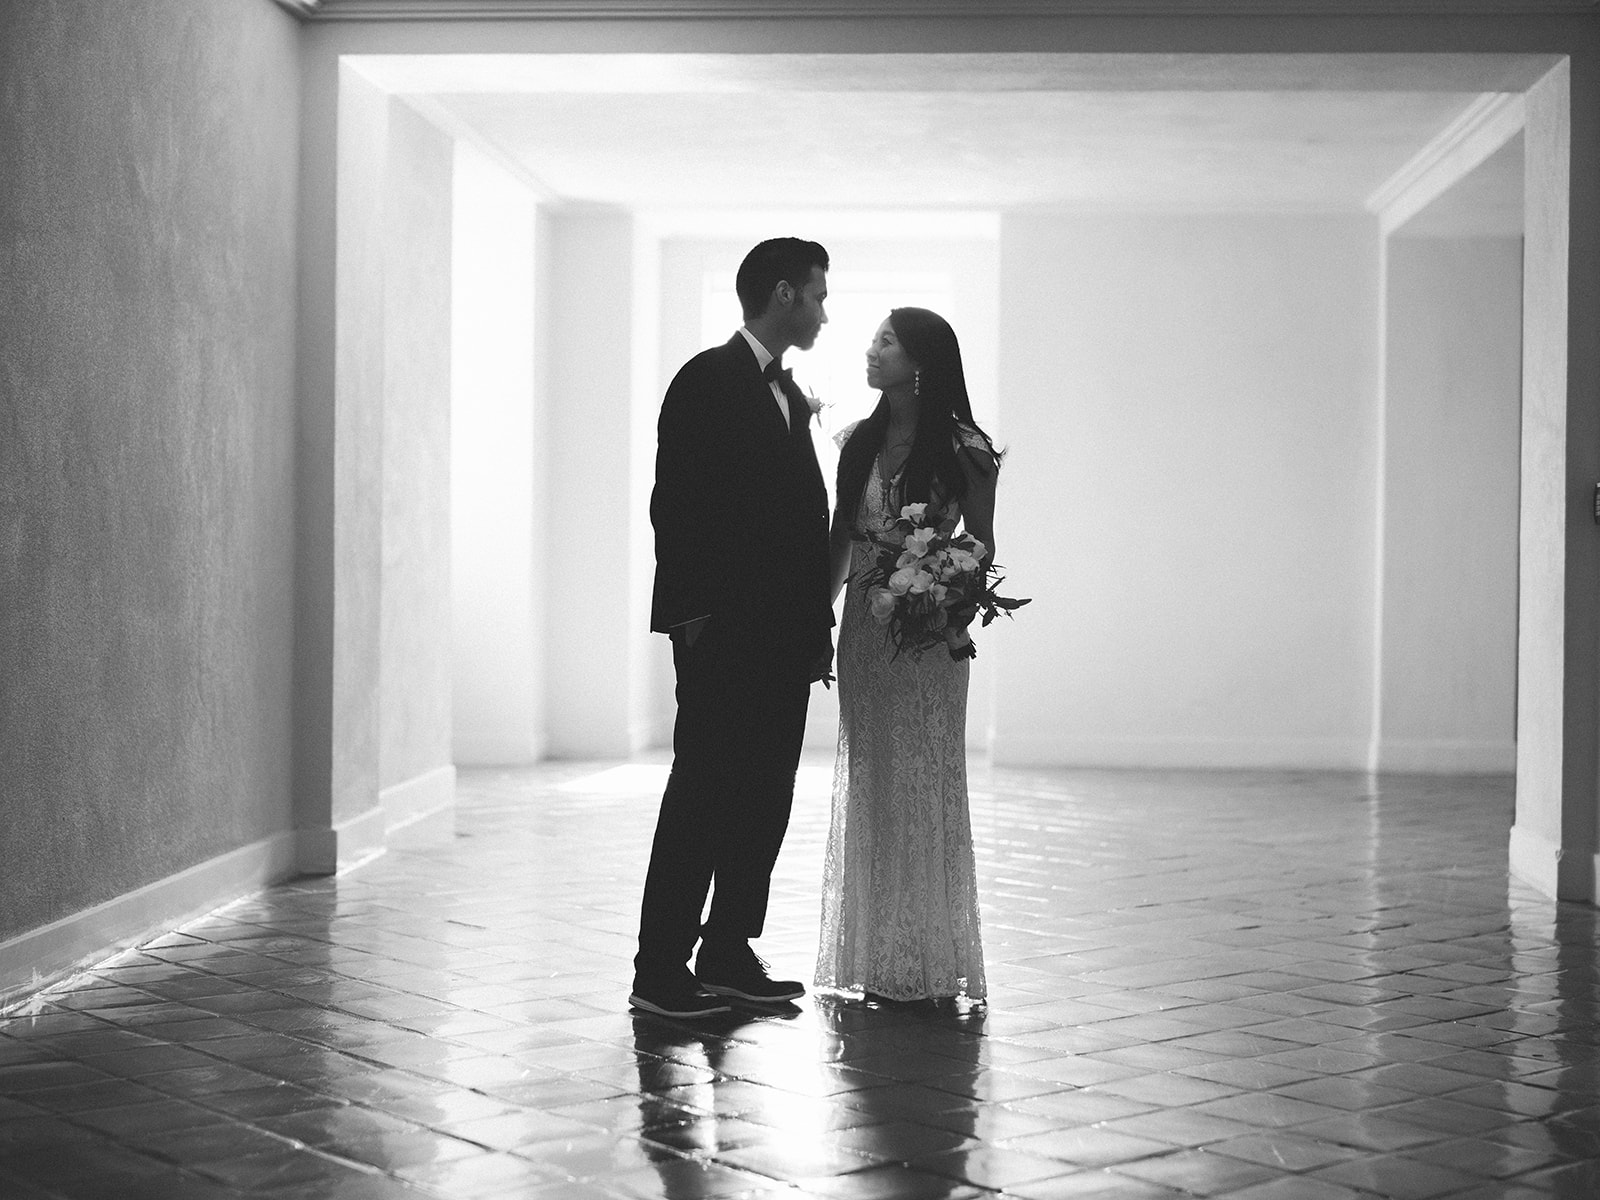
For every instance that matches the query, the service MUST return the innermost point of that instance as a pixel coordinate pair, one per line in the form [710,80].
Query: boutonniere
[814,403]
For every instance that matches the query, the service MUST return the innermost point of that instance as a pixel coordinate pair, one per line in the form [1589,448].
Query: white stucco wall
[499,565]
[1190,402]
[591,598]
[414,676]
[148,226]
[1452,413]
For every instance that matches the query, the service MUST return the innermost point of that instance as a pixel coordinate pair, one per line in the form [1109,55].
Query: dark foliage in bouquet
[927,583]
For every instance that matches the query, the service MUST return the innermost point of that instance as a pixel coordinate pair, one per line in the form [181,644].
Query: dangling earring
[916,382]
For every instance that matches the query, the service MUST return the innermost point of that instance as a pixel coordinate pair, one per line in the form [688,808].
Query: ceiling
[1277,133]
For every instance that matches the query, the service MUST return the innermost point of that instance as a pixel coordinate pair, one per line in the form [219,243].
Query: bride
[900,899]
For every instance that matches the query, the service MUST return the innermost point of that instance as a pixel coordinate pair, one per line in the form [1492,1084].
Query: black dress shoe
[675,997]
[736,970]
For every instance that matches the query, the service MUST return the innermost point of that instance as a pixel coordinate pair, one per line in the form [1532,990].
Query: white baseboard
[346,846]
[1535,859]
[34,959]
[1325,754]
[419,797]
[592,745]
[1417,756]
[641,734]
[422,808]
[468,750]
[419,810]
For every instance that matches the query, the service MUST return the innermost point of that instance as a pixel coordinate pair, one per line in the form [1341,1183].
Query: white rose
[962,563]
[918,540]
[900,582]
[881,602]
[921,581]
[913,513]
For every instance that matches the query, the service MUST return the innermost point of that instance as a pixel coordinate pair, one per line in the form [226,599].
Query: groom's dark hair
[771,262]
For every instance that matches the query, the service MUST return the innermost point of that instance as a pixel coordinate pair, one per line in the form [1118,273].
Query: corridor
[1306,986]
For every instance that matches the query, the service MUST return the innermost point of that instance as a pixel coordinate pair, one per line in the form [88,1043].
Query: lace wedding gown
[899,885]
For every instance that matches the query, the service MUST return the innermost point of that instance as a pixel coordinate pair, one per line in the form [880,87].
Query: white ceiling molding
[480,10]
[986,72]
[1488,123]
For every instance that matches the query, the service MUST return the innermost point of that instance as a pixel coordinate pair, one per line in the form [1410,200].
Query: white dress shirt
[763,357]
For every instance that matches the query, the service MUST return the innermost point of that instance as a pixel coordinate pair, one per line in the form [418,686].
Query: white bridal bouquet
[928,582]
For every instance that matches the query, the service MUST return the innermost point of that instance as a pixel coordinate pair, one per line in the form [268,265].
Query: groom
[741,522]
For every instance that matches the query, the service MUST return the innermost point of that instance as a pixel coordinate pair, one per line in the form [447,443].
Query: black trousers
[736,746]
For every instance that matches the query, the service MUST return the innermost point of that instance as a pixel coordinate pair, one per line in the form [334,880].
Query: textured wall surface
[352,596]
[499,542]
[1452,412]
[1553,842]
[1191,407]
[414,668]
[591,492]
[147,224]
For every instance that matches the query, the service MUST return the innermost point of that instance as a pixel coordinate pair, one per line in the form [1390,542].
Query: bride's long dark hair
[931,472]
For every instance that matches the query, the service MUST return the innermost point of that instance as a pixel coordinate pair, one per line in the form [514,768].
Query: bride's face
[888,364]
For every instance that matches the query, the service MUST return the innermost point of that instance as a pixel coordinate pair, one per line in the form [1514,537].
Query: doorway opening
[1168,597]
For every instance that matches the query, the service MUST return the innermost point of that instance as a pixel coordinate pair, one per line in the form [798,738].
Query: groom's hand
[822,668]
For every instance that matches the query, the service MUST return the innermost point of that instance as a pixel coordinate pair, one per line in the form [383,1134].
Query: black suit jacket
[740,509]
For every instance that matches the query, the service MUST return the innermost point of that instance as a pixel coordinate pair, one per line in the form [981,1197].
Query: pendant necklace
[887,479]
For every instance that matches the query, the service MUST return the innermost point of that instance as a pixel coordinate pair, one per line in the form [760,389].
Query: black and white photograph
[823,600]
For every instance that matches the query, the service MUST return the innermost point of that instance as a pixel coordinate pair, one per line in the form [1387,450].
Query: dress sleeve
[975,449]
[843,436]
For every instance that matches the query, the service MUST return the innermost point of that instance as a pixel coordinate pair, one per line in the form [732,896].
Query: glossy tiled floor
[1297,986]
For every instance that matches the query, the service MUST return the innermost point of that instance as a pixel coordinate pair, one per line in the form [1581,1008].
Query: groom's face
[806,314]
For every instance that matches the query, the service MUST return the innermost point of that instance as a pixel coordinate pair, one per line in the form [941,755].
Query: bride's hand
[956,635]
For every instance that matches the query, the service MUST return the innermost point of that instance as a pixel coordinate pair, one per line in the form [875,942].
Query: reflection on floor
[1286,985]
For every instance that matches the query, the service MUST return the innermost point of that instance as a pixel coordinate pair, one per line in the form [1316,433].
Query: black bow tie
[775,370]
